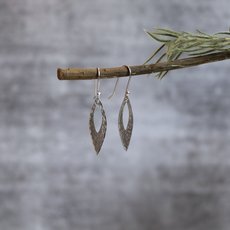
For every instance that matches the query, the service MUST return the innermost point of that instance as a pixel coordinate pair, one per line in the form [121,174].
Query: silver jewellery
[97,137]
[126,133]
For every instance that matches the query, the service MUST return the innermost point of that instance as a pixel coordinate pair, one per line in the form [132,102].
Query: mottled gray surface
[176,172]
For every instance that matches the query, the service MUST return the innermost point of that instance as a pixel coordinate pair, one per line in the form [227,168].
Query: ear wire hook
[114,89]
[130,74]
[126,91]
[97,85]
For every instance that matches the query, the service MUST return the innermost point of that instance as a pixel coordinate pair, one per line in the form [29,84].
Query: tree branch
[91,73]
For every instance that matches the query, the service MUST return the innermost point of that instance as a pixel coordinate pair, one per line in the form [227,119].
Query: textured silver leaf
[97,137]
[125,134]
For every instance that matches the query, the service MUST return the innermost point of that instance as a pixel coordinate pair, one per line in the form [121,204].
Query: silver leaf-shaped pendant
[125,134]
[97,137]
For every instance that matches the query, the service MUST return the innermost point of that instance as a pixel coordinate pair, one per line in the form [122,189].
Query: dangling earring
[126,134]
[97,137]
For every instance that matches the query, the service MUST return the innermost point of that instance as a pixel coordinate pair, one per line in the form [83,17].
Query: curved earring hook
[130,74]
[97,85]
[115,87]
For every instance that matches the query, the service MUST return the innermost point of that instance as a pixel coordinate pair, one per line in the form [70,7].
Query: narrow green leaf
[154,54]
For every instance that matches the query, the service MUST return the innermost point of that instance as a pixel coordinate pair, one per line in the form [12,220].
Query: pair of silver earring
[125,133]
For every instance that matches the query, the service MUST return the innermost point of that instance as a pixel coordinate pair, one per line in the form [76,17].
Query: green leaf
[191,44]
[154,54]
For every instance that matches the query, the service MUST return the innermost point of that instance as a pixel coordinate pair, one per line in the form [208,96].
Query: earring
[126,134]
[97,137]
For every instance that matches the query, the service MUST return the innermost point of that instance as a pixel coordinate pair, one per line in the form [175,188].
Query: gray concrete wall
[176,172]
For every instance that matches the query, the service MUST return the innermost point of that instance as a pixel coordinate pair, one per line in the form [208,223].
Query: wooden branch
[91,73]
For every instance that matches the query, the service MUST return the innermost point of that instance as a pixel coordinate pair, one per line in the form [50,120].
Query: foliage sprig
[175,44]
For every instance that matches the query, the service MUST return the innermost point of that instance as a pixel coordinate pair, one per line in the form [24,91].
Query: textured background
[176,172]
